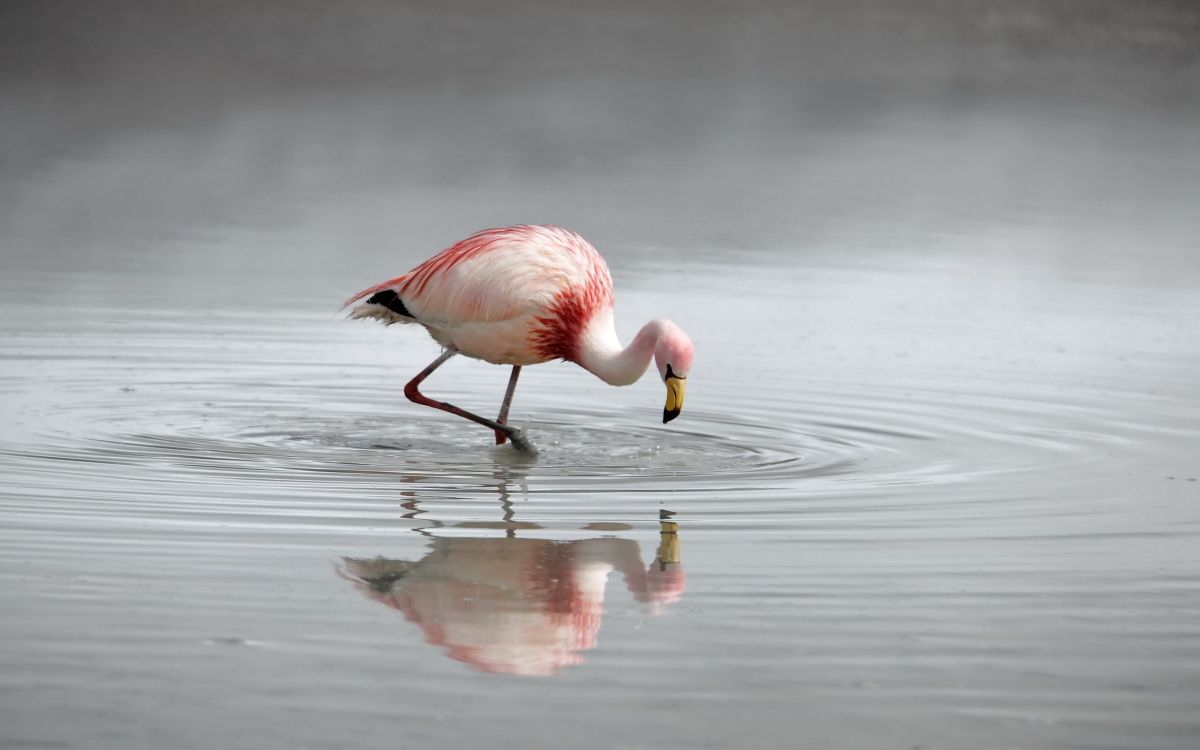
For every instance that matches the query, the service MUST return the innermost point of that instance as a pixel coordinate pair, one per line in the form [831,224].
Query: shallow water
[935,483]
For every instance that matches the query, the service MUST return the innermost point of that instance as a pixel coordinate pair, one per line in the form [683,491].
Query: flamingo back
[535,287]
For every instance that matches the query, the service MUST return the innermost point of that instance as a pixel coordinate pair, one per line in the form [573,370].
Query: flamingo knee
[411,392]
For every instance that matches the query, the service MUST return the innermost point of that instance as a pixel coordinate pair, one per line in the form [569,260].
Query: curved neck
[601,353]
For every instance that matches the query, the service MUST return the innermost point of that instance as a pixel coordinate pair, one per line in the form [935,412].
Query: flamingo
[519,296]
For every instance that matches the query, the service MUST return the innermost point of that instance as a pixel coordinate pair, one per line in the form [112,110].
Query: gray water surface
[935,483]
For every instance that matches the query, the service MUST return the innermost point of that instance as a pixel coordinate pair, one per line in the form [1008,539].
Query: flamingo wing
[493,276]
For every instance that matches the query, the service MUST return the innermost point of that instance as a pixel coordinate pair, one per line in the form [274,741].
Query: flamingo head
[673,355]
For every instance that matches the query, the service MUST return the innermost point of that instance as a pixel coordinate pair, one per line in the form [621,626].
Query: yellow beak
[675,387]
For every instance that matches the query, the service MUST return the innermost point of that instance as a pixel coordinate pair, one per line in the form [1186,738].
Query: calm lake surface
[935,484]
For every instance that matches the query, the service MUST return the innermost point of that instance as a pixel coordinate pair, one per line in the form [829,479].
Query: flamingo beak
[675,387]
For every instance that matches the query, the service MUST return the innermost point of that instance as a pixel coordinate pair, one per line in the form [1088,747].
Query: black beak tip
[669,414]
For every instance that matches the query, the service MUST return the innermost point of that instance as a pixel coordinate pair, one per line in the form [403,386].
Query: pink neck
[601,353]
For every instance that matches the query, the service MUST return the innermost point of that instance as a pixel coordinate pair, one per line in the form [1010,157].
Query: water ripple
[331,439]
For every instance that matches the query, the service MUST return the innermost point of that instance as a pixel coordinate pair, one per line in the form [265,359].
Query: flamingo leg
[508,397]
[411,390]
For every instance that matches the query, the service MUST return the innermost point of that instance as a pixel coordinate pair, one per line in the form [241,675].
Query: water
[935,483]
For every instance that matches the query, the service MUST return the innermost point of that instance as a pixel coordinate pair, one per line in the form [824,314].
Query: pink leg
[415,395]
[508,397]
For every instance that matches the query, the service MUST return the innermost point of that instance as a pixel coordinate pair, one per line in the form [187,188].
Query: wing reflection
[518,606]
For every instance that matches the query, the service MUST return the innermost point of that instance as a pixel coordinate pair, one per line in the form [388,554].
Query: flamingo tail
[382,303]
[389,284]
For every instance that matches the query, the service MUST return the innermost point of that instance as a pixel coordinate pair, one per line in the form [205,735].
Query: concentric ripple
[226,424]
[312,429]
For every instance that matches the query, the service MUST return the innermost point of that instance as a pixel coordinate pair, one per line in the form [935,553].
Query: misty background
[366,135]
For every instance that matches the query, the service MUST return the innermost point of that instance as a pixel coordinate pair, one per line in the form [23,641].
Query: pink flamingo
[519,296]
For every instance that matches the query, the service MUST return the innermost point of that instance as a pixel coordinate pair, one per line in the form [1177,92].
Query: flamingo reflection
[518,606]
